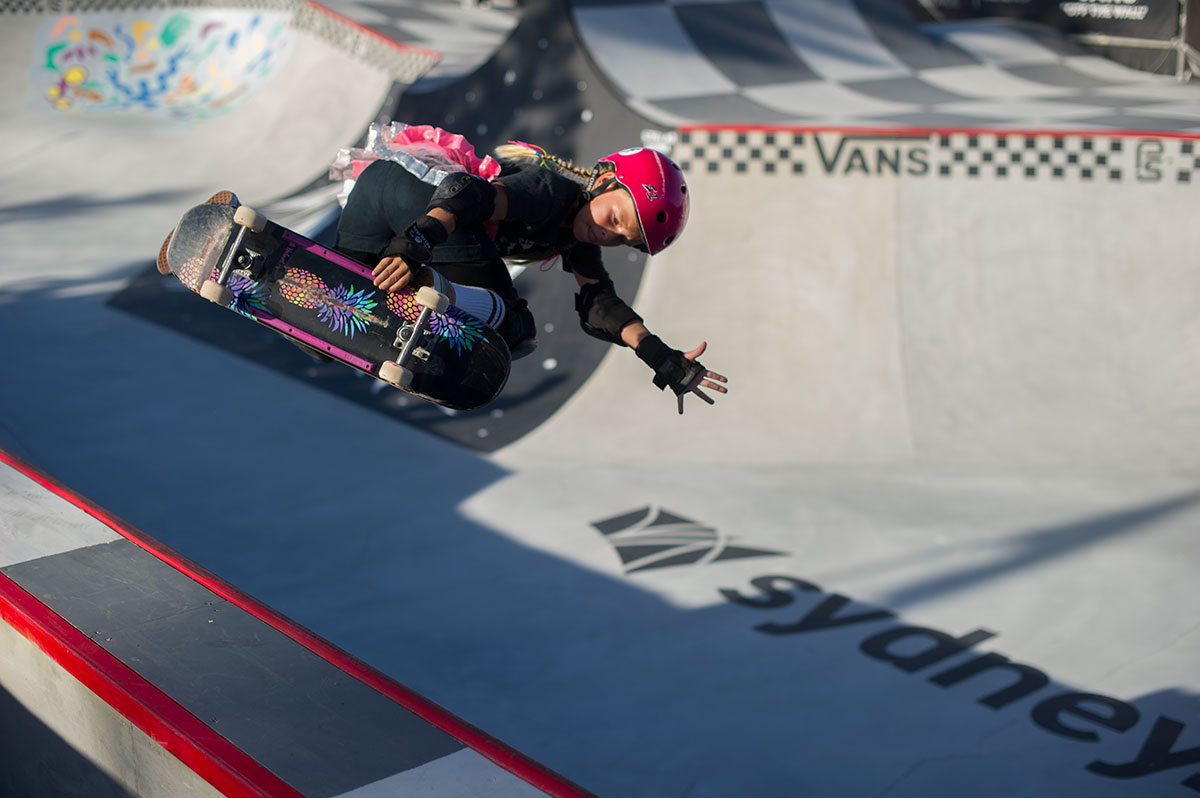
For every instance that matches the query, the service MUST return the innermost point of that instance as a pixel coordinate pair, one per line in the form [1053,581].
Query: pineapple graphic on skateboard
[413,339]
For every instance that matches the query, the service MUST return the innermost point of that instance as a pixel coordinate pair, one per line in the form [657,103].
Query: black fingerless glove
[417,243]
[671,369]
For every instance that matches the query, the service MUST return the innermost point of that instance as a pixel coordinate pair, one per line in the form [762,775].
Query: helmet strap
[610,183]
[596,191]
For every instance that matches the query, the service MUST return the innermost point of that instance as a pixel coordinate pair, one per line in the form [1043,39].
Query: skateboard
[413,339]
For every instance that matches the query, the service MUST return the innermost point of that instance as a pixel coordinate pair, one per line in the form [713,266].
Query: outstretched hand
[705,379]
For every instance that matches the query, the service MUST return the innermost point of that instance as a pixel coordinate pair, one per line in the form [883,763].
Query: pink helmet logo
[651,192]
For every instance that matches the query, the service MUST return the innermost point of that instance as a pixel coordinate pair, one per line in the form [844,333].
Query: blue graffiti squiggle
[126,39]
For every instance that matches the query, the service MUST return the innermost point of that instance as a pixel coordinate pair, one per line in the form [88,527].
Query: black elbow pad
[602,314]
[471,199]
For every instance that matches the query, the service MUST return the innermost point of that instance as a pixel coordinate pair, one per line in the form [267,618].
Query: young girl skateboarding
[531,205]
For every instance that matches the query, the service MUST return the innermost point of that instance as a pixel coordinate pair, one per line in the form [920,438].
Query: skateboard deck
[327,302]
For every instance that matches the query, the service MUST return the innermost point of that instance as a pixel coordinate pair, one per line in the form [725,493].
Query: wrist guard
[671,369]
[471,199]
[417,243]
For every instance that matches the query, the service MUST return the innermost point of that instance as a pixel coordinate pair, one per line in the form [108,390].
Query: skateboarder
[538,206]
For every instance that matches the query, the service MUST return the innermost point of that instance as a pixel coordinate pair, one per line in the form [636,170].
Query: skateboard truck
[397,373]
[406,334]
[218,290]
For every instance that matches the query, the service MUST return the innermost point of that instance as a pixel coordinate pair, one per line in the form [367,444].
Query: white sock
[481,303]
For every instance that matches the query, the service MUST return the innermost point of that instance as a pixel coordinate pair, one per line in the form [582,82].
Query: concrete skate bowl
[112,100]
[961,343]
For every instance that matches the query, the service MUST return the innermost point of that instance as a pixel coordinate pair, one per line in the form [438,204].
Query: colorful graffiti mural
[184,64]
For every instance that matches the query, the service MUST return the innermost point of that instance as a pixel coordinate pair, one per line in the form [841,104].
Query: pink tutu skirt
[428,152]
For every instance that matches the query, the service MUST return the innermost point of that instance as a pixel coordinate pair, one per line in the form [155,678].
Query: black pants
[386,199]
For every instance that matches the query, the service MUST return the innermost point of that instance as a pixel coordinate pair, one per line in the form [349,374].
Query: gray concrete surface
[961,424]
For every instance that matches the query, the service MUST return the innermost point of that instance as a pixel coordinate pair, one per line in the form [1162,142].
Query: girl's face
[609,220]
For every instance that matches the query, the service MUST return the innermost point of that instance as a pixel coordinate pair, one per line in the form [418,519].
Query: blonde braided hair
[524,151]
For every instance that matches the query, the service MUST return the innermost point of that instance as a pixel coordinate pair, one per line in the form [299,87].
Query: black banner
[1150,21]
[1138,19]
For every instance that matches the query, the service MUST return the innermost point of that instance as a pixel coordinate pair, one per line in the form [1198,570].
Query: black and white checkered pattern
[865,63]
[762,152]
[985,155]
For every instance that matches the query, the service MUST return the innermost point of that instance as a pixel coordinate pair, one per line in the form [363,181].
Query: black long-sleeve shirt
[542,203]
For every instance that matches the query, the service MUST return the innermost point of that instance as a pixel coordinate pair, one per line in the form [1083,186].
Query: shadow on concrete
[37,763]
[79,204]
[537,387]
[1039,546]
[363,533]
[1007,553]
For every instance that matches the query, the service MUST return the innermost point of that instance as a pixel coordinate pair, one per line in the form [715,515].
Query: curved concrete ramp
[174,99]
[918,297]
[865,63]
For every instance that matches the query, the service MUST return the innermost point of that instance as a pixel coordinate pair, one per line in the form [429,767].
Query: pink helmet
[659,193]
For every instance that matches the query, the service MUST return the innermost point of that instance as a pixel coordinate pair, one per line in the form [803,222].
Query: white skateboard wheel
[248,217]
[215,292]
[395,375]
[433,300]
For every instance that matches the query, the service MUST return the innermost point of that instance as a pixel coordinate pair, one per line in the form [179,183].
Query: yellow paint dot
[75,76]
[53,93]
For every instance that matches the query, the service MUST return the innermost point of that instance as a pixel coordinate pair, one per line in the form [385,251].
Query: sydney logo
[652,537]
